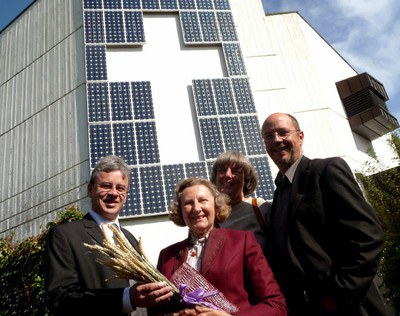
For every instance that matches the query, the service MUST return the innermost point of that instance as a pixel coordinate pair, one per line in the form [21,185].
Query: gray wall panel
[43,131]
[44,25]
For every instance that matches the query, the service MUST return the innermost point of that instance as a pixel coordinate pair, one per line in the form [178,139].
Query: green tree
[23,271]
[382,189]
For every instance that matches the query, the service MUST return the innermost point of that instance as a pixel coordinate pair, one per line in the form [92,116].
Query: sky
[366,33]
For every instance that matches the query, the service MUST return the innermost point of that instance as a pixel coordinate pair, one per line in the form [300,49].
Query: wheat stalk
[126,261]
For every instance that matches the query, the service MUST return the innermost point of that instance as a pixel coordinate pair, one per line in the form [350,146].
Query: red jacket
[234,263]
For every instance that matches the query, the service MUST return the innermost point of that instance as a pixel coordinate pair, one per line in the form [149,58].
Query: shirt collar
[101,220]
[292,169]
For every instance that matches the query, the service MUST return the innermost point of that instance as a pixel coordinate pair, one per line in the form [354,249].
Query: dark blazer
[77,284]
[335,238]
[243,217]
[234,263]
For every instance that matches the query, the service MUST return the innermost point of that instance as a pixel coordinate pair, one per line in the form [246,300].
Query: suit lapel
[180,258]
[92,229]
[299,185]
[132,240]
[214,244]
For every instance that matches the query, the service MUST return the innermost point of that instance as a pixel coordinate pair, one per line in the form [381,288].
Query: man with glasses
[77,284]
[325,240]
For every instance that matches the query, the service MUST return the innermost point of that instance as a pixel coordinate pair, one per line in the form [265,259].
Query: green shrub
[22,271]
[383,192]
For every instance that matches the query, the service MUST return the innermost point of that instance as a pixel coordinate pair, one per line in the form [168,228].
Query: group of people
[313,251]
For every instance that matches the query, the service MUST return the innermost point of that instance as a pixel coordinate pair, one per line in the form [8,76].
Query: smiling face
[108,193]
[198,209]
[230,180]
[283,150]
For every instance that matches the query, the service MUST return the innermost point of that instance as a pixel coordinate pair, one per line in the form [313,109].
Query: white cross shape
[170,66]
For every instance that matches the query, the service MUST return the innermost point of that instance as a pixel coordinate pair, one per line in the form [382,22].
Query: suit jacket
[335,239]
[77,284]
[234,263]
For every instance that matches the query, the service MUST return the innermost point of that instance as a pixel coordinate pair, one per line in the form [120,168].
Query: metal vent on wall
[364,99]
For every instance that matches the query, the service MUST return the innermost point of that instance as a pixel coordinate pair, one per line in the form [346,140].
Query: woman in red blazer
[232,261]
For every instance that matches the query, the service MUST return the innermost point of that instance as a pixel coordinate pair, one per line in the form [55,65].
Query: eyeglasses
[234,170]
[282,134]
[106,187]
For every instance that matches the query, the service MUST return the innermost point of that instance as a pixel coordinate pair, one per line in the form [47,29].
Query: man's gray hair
[108,164]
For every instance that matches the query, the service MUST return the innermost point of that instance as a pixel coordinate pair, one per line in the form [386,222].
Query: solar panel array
[121,114]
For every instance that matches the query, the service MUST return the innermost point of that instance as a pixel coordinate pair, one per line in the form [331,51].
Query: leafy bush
[22,271]
[383,192]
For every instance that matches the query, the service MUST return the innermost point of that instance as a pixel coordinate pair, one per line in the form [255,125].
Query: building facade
[168,85]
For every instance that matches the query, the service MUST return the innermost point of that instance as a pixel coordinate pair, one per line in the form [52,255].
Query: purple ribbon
[197,296]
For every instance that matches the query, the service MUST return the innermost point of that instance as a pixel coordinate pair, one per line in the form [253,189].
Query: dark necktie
[280,217]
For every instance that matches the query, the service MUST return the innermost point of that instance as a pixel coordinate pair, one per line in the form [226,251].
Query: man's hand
[150,294]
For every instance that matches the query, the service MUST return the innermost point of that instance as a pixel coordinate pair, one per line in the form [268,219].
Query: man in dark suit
[325,240]
[77,284]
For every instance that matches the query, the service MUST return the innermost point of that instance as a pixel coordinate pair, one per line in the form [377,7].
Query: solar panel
[222,5]
[190,26]
[169,4]
[243,95]
[252,135]
[92,4]
[196,169]
[211,137]
[204,98]
[142,100]
[134,27]
[131,4]
[152,190]
[209,26]
[265,187]
[115,32]
[112,4]
[97,96]
[96,68]
[224,96]
[210,164]
[94,27]
[172,175]
[124,142]
[234,59]
[150,5]
[147,145]
[187,4]
[132,205]
[120,101]
[204,4]
[227,27]
[100,143]
[232,135]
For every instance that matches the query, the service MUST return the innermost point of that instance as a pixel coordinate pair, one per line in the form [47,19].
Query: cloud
[371,44]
